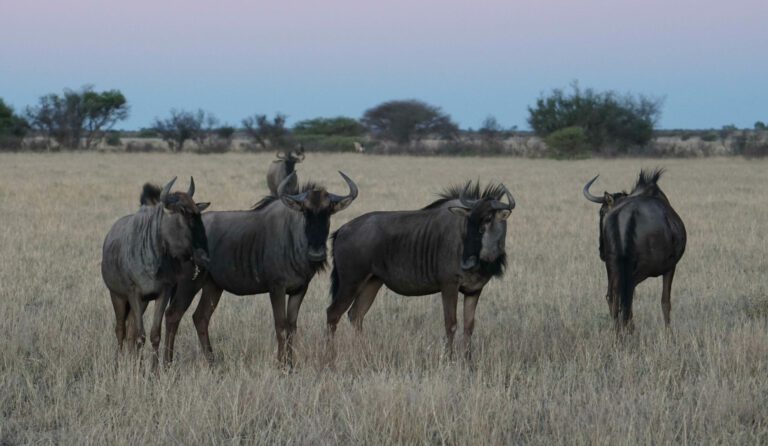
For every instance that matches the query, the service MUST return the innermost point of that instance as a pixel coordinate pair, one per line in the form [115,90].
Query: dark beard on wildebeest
[473,243]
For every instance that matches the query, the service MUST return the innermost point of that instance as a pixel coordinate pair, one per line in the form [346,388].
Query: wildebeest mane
[646,181]
[150,195]
[334,271]
[492,190]
[264,202]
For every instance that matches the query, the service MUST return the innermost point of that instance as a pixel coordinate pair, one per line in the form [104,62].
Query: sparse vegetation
[179,128]
[265,134]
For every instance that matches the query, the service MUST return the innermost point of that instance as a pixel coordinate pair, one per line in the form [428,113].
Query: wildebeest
[641,236]
[281,168]
[276,248]
[142,255]
[454,244]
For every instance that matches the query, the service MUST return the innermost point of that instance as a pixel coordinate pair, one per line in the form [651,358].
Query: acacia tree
[180,127]
[265,132]
[78,117]
[13,127]
[408,120]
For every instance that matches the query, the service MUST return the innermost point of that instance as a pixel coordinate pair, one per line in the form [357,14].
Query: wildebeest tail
[334,271]
[626,265]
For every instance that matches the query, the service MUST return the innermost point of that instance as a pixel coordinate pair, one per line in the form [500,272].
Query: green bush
[113,138]
[13,128]
[709,137]
[321,143]
[568,142]
[607,118]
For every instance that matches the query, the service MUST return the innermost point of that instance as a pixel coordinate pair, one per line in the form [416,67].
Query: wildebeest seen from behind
[455,244]
[641,236]
[276,248]
[142,255]
[281,168]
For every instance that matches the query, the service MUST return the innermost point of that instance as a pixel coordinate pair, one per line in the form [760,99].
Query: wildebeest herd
[169,250]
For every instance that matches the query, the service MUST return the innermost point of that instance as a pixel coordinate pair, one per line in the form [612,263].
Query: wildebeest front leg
[121,310]
[137,311]
[666,293]
[294,304]
[450,296]
[277,298]
[202,316]
[157,320]
[470,304]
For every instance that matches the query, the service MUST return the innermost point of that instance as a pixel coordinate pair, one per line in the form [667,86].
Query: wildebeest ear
[504,214]
[203,206]
[608,200]
[461,212]
[291,203]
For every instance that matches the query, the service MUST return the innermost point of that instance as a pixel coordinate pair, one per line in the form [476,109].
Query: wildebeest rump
[142,255]
[281,168]
[454,244]
[641,236]
[276,248]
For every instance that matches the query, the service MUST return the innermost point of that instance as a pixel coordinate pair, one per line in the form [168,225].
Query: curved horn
[283,184]
[166,189]
[191,190]
[588,195]
[340,202]
[498,204]
[279,155]
[463,199]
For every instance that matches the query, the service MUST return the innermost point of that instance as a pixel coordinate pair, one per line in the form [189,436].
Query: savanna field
[546,367]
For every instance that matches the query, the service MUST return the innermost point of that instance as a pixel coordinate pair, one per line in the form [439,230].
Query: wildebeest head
[292,156]
[317,205]
[182,230]
[486,224]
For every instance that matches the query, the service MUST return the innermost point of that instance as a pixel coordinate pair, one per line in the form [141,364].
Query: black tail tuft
[150,195]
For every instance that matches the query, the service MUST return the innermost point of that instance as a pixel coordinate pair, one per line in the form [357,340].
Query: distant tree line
[570,124]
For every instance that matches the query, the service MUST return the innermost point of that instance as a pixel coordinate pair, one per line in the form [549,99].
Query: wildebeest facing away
[281,168]
[142,255]
[454,244]
[276,248]
[641,236]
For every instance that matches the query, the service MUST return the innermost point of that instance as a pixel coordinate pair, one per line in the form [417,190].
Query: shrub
[339,126]
[13,128]
[709,137]
[112,138]
[137,147]
[264,133]
[147,133]
[568,142]
[606,118]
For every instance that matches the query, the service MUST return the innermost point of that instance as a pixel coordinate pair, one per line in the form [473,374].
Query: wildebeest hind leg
[666,305]
[450,296]
[363,302]
[121,310]
[202,316]
[294,304]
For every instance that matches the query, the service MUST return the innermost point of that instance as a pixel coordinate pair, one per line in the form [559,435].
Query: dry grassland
[546,367]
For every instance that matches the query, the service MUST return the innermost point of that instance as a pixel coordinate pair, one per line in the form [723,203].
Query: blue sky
[308,59]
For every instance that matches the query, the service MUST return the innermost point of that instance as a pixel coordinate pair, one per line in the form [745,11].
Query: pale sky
[327,58]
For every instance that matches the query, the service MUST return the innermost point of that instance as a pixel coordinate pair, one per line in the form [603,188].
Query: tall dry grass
[546,368]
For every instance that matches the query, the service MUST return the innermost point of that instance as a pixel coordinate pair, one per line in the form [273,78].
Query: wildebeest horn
[340,202]
[191,190]
[279,155]
[463,199]
[497,204]
[589,196]
[298,198]
[166,189]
